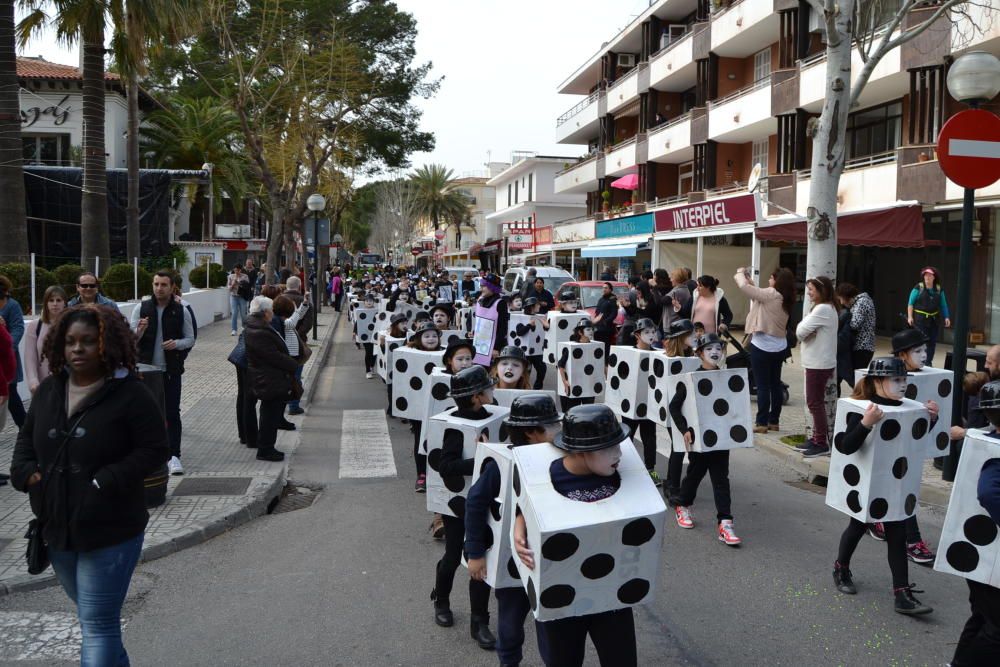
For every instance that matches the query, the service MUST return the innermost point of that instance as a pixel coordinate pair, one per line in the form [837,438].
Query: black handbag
[37,552]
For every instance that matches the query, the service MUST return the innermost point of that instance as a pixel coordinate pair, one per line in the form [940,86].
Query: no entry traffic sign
[968,148]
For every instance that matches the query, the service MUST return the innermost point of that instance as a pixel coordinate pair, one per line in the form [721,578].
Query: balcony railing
[676,120]
[756,85]
[673,42]
[581,162]
[624,77]
[623,143]
[666,201]
[593,97]
[857,163]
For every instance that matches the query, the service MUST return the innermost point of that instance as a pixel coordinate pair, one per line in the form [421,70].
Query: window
[509,202]
[531,185]
[685,178]
[516,198]
[873,131]
[758,153]
[48,149]
[761,64]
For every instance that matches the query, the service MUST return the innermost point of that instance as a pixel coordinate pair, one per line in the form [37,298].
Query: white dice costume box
[930,384]
[717,407]
[411,372]
[880,481]
[560,329]
[584,369]
[628,381]
[505,397]
[664,376]
[589,557]
[438,401]
[527,333]
[382,319]
[383,356]
[501,570]
[463,319]
[969,545]
[446,495]
[452,336]
[364,324]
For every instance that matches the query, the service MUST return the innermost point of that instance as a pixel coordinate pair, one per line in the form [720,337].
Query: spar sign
[742,208]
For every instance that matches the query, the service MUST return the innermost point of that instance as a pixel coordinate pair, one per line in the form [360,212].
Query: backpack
[244,290]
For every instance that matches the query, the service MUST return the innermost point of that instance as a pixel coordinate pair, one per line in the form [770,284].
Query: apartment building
[692,94]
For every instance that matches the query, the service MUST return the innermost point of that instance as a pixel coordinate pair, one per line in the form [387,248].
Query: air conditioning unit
[626,60]
[232,231]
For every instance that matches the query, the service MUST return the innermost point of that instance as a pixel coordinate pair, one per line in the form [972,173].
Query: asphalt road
[346,581]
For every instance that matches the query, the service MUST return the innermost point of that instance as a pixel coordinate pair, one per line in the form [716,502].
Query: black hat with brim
[532,410]
[513,352]
[907,339]
[470,381]
[590,428]
[886,367]
[680,328]
[452,349]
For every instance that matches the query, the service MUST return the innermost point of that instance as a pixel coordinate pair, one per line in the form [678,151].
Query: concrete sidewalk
[223,485]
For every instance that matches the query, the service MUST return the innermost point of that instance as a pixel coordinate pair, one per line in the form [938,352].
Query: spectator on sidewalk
[8,371]
[605,314]
[862,310]
[12,318]
[545,300]
[240,293]
[271,372]
[246,403]
[251,273]
[927,307]
[165,331]
[90,494]
[336,288]
[818,334]
[709,306]
[36,366]
[88,290]
[303,324]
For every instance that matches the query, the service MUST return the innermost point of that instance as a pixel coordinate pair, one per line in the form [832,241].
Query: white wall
[116,119]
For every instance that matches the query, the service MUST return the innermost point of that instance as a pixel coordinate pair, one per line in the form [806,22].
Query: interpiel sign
[728,211]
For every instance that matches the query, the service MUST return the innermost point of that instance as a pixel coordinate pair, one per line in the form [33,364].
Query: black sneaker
[815,451]
[843,580]
[803,446]
[909,605]
[273,455]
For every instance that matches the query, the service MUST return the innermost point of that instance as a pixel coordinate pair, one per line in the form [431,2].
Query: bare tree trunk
[274,238]
[13,216]
[94,236]
[132,211]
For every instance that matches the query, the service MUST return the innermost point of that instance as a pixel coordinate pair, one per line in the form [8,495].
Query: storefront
[622,247]
[568,241]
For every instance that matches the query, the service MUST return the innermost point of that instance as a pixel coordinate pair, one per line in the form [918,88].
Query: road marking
[48,636]
[365,447]
[973,148]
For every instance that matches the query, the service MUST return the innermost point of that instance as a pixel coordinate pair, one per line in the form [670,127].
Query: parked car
[588,292]
[553,277]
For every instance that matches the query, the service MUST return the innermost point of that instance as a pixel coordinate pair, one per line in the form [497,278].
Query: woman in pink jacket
[336,288]
[36,367]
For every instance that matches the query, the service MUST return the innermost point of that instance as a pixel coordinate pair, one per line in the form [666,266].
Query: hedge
[66,277]
[20,277]
[217,276]
[118,282]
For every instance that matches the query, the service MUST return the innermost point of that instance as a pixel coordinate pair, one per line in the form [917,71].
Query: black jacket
[121,440]
[270,366]
[173,329]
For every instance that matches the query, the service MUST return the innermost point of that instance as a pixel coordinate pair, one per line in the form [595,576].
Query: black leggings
[979,643]
[479,591]
[421,459]
[716,464]
[647,433]
[613,634]
[675,466]
[567,402]
[538,363]
[895,537]
[369,357]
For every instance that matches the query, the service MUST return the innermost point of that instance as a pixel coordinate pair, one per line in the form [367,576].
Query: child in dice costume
[364,327]
[884,386]
[427,338]
[709,349]
[533,419]
[537,361]
[396,330]
[645,335]
[583,332]
[560,323]
[472,389]
[510,370]
[677,343]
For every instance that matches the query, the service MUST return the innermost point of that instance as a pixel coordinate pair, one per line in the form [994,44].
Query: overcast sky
[501,63]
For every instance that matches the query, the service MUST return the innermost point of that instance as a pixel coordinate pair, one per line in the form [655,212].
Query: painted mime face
[588,332]
[440,319]
[604,462]
[569,306]
[894,387]
[713,353]
[515,303]
[404,296]
[510,370]
[689,341]
[915,358]
[648,336]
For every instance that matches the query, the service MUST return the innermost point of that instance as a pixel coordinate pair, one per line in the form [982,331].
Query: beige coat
[766,313]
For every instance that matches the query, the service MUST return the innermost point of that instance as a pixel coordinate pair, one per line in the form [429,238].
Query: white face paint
[404,297]
[440,319]
[369,303]
[916,358]
[430,340]
[461,360]
[689,341]
[648,336]
[569,306]
[588,332]
[713,353]
[604,462]
[509,370]
[515,304]
[894,387]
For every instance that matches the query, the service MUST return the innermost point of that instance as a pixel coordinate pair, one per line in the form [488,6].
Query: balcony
[625,90]
[671,142]
[580,124]
[744,115]
[891,78]
[673,68]
[624,156]
[581,177]
[744,28]
[866,182]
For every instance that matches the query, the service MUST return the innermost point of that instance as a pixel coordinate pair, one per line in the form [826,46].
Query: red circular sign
[968,148]
[416,251]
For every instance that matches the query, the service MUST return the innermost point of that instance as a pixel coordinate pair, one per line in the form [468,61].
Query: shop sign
[543,235]
[630,226]
[712,213]
[522,235]
[57,111]
[254,245]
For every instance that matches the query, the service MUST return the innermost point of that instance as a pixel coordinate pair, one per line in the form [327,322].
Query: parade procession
[395,333]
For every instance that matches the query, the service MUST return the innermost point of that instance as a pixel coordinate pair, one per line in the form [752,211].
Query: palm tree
[437,197]
[13,217]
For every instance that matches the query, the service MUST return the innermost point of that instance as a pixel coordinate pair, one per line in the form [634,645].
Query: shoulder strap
[38,327]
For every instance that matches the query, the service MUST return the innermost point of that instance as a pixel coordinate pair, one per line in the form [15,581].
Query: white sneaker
[369,376]
[174,466]
[233,332]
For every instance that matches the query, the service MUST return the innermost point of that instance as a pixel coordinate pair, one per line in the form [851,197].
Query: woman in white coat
[818,334]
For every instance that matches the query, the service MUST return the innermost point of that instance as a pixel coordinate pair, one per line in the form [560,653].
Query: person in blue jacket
[927,308]
[533,419]
[979,643]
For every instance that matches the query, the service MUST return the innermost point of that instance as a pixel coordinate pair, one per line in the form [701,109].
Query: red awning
[894,227]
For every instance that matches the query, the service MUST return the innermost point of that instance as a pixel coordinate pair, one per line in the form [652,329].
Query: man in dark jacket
[165,332]
[605,314]
[271,371]
[545,300]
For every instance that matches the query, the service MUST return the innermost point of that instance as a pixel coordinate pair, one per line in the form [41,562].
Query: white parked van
[553,277]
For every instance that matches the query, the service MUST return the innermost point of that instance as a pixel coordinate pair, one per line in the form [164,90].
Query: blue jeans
[96,582]
[298,376]
[766,368]
[238,309]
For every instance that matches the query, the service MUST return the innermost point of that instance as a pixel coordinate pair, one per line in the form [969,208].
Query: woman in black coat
[93,433]
[271,372]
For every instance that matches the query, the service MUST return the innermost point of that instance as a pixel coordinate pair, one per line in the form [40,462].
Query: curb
[263,494]
[819,469]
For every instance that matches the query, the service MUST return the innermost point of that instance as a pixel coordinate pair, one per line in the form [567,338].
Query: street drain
[293,498]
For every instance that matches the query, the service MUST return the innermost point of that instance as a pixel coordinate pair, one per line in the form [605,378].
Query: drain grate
[294,498]
[213,486]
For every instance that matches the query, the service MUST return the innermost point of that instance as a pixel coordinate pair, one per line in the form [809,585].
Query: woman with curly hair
[93,433]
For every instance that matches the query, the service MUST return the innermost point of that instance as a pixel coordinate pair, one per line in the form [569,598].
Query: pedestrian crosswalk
[365,447]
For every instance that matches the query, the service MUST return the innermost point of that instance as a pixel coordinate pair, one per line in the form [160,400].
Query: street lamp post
[506,249]
[973,79]
[315,203]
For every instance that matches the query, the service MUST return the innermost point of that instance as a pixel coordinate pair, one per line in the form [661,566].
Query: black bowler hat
[453,349]
[644,323]
[529,302]
[423,327]
[679,328]
[706,340]
[583,323]
[886,367]
[513,352]
[470,381]
[446,307]
[907,339]
[588,428]
[530,410]
[397,318]
[989,396]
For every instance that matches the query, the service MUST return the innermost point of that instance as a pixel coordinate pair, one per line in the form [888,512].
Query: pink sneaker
[727,534]
[683,515]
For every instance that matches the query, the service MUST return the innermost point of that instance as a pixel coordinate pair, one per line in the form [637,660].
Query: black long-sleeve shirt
[856,432]
[477,509]
[677,403]
[453,447]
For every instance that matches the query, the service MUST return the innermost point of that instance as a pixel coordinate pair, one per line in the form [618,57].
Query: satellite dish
[754,179]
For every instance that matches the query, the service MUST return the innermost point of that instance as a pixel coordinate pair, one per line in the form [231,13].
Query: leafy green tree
[437,197]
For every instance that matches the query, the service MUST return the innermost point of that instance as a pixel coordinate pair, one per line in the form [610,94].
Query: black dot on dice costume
[598,388]
[434,458]
[900,467]
[532,596]
[401,365]
[854,501]
[663,414]
[560,546]
[401,404]
[597,566]
[623,370]
[625,405]
[944,388]
[457,505]
[517,481]
[676,367]
[633,590]
[942,441]
[736,384]
[563,324]
[512,568]
[362,316]
[613,360]
[705,387]
[644,365]
[738,433]
[577,390]
[640,411]
[878,508]
[720,407]
[911,391]
[652,381]
[890,429]
[428,368]
[371,327]
[440,391]
[599,353]
[710,438]
[658,368]
[980,530]
[638,532]
[416,383]
[910,503]
[577,353]
[962,556]
[920,428]
[588,369]
[495,510]
[658,396]
[851,474]
[558,596]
